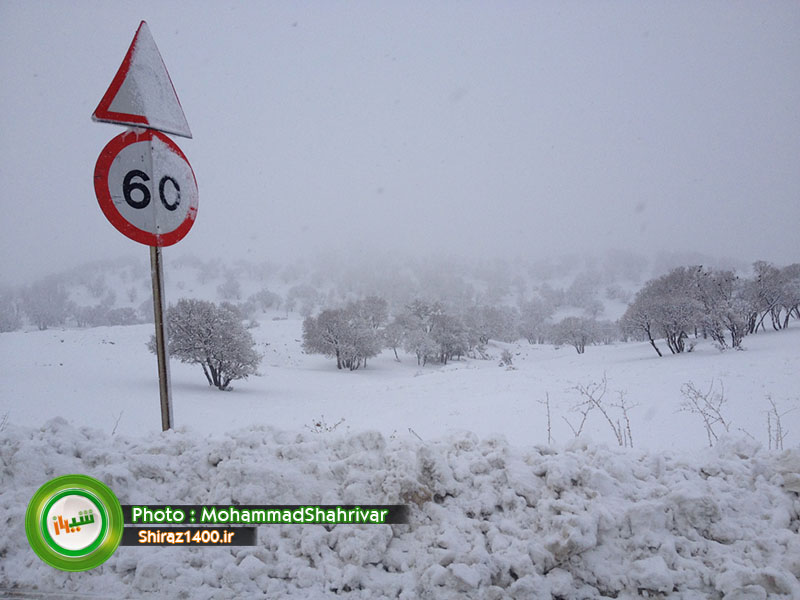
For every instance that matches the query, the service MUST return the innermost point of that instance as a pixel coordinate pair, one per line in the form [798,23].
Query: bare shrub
[708,405]
[583,409]
[116,422]
[321,426]
[546,403]
[594,397]
[775,431]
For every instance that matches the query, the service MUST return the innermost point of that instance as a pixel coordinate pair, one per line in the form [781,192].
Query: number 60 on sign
[146,187]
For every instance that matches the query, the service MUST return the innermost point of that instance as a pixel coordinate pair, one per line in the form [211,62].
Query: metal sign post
[164,388]
[144,184]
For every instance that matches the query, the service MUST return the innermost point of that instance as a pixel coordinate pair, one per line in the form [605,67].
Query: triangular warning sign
[141,92]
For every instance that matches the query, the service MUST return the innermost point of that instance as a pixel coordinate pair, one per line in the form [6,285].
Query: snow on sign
[141,92]
[146,187]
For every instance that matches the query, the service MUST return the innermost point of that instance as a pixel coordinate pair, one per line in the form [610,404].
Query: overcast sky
[499,128]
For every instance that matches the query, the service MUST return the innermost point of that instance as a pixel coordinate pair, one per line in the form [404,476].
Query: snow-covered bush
[302,297]
[212,336]
[583,291]
[533,320]
[615,291]
[230,289]
[506,358]
[435,333]
[351,334]
[606,331]
[264,299]
[724,306]
[773,291]
[665,307]
[46,303]
[485,322]
[575,331]
[101,315]
[10,312]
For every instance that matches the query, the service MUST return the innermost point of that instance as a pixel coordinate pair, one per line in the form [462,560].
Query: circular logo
[74,523]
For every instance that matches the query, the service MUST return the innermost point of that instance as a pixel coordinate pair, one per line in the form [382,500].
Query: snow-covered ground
[105,377]
[496,512]
[488,520]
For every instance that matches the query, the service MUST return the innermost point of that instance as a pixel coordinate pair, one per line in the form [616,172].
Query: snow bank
[489,520]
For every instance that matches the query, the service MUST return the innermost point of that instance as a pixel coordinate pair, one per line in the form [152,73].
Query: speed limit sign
[146,187]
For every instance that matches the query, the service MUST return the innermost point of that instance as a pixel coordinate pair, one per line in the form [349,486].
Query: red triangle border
[101,113]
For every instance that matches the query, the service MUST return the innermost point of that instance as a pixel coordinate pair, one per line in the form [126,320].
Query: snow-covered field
[105,377]
[496,512]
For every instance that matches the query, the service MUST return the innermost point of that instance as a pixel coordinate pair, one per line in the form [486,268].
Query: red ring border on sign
[103,193]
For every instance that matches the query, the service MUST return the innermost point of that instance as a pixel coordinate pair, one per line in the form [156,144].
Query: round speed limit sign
[146,187]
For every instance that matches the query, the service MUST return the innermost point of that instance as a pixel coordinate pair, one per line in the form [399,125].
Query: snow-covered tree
[724,307]
[665,307]
[553,297]
[575,331]
[773,292]
[97,285]
[373,311]
[678,307]
[123,315]
[212,336]
[450,336]
[265,299]
[790,297]
[46,303]
[230,289]
[712,302]
[615,291]
[417,321]
[606,332]
[10,311]
[351,334]
[533,317]
[583,291]
[101,315]
[639,320]
[421,344]
[302,297]
[433,332]
[765,293]
[394,336]
[87,316]
[370,314]
[485,322]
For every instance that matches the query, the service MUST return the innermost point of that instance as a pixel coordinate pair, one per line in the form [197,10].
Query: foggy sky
[474,128]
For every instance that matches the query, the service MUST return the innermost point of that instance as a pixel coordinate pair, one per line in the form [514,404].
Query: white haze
[466,129]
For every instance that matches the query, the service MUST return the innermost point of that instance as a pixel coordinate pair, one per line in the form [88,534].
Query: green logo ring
[90,490]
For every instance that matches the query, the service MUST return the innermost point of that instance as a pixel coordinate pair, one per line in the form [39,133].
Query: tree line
[675,309]
[671,311]
[712,303]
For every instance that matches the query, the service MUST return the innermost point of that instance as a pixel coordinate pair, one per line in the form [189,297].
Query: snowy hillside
[85,295]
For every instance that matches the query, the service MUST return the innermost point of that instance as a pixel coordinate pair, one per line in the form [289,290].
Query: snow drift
[489,520]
